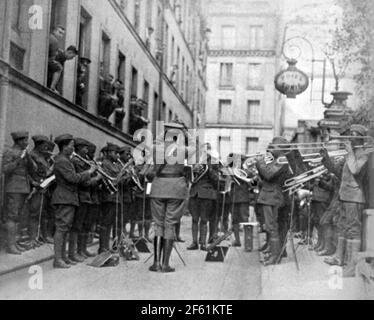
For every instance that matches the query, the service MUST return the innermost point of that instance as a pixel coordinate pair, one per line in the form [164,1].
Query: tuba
[198,172]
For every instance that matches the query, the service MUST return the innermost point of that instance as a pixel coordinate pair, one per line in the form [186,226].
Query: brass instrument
[198,172]
[130,170]
[296,183]
[314,158]
[109,181]
[251,159]
[219,240]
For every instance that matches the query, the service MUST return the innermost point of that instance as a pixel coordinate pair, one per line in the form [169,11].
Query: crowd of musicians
[106,194]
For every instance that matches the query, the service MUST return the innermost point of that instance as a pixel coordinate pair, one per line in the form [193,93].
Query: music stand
[142,239]
[290,236]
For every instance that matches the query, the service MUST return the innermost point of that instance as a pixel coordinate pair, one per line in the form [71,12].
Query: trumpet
[107,179]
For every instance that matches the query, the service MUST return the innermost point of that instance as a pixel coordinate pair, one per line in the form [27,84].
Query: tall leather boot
[33,230]
[59,244]
[329,248]
[320,242]
[140,229]
[266,245]
[147,228]
[353,247]
[73,241]
[168,248]
[107,238]
[65,257]
[157,247]
[178,232]
[195,231]
[236,229]
[338,258]
[11,238]
[47,231]
[102,241]
[83,246]
[203,235]
[132,230]
[275,249]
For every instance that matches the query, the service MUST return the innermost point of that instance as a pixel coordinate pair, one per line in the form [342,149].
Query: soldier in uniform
[78,235]
[322,195]
[352,197]
[65,198]
[17,186]
[203,194]
[38,200]
[127,194]
[94,210]
[110,201]
[168,196]
[271,197]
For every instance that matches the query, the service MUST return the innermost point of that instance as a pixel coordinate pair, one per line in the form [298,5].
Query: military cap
[125,149]
[92,147]
[40,139]
[79,142]
[279,140]
[64,137]
[19,135]
[360,129]
[112,147]
[84,60]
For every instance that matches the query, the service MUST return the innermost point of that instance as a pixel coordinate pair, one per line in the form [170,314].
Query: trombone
[128,169]
[315,157]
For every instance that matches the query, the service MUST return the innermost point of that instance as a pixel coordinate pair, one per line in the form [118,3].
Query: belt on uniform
[170,175]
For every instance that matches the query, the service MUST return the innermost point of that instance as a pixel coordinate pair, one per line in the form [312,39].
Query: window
[170,116]
[178,71]
[251,145]
[16,12]
[163,112]
[121,68]
[166,41]
[172,57]
[137,15]
[255,75]
[156,116]
[253,112]
[146,96]
[224,111]
[134,82]
[224,147]
[256,40]
[105,54]
[84,52]
[182,80]
[187,90]
[226,74]
[228,37]
[16,58]
[149,12]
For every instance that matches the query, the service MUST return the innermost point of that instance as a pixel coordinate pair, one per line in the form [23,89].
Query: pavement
[240,277]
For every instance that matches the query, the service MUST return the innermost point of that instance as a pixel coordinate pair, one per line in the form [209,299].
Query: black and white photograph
[190,152]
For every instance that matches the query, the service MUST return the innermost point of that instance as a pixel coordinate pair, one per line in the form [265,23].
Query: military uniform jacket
[67,179]
[84,188]
[113,170]
[273,177]
[16,171]
[206,188]
[170,188]
[352,181]
[323,191]
[42,169]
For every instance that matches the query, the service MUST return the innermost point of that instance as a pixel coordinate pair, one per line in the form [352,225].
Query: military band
[70,195]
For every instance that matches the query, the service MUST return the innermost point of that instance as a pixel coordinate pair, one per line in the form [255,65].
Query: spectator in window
[107,99]
[137,121]
[54,67]
[120,110]
[81,79]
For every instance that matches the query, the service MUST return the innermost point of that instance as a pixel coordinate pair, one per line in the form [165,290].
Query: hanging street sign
[292,81]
